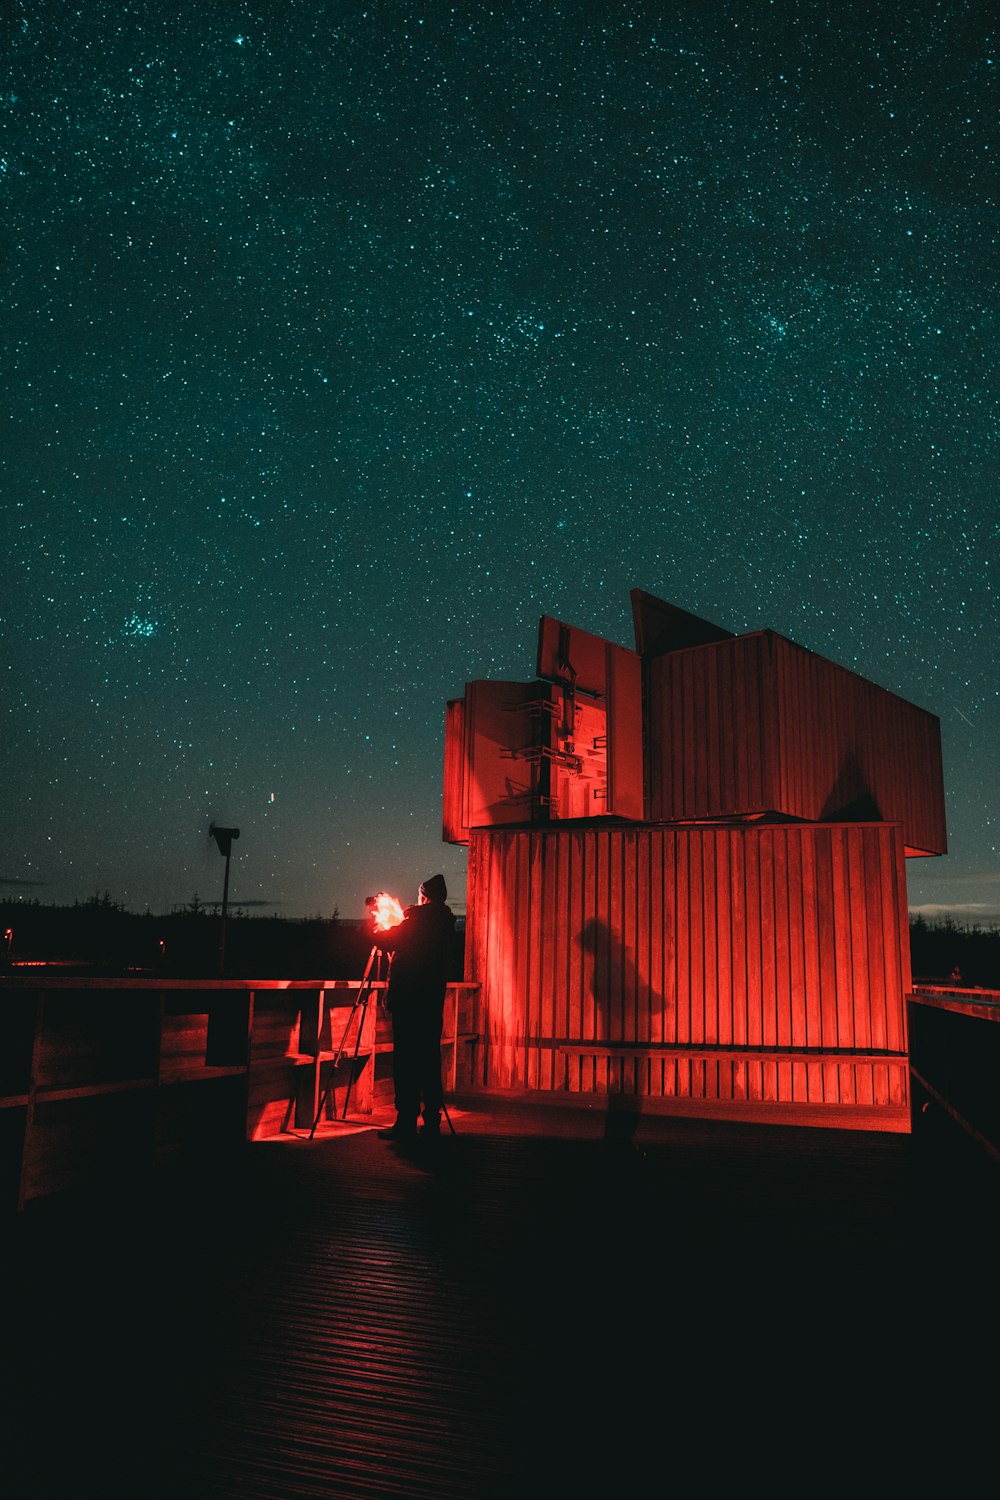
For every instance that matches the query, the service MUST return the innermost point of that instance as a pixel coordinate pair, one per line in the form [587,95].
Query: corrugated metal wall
[759,724]
[764,963]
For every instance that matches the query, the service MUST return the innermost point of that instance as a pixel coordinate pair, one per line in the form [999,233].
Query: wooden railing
[954,1044]
[103,1078]
[100,1078]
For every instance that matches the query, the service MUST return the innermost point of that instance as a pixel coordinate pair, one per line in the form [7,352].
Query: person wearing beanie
[421,949]
[434,889]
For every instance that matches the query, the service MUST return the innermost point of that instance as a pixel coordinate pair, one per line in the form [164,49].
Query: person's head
[433,889]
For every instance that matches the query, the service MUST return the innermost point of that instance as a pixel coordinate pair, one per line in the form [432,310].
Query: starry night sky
[342,341]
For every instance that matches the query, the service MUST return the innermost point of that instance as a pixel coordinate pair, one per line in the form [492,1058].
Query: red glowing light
[386,911]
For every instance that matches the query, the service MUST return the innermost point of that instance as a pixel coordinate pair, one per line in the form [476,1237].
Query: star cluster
[344,340]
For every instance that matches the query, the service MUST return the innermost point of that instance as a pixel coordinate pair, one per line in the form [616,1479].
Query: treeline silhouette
[945,951]
[99,936]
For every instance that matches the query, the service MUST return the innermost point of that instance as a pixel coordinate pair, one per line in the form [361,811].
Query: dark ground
[549,1303]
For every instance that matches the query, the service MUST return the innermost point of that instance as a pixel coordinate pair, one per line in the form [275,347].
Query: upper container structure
[695,725]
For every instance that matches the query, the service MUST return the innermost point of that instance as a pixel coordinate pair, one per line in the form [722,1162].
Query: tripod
[359,1009]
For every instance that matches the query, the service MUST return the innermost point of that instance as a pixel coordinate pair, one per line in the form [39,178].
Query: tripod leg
[357,1048]
[322,1102]
[361,1002]
[444,1110]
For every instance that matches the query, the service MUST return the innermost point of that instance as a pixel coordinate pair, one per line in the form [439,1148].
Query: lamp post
[224,838]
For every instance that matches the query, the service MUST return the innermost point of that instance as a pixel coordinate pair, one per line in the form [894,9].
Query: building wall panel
[711,964]
[454,828]
[626,792]
[759,725]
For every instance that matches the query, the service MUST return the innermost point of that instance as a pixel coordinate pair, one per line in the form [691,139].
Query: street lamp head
[224,838]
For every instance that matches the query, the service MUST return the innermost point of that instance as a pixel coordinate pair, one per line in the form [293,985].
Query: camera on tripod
[385,910]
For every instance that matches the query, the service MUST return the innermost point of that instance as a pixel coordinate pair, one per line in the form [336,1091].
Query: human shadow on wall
[614,982]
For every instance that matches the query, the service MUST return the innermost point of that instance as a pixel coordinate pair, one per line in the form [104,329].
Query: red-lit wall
[758,724]
[721,968]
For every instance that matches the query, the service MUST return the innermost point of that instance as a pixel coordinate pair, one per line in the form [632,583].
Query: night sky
[343,341]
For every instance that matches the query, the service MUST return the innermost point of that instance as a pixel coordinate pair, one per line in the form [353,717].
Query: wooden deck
[552,1302]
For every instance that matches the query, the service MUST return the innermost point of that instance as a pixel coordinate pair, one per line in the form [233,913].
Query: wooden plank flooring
[553,1302]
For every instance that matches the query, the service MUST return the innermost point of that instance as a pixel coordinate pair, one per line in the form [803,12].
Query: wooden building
[687,872]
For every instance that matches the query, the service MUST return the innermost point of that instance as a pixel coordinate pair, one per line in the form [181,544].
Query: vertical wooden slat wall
[454,799]
[758,724]
[844,741]
[763,964]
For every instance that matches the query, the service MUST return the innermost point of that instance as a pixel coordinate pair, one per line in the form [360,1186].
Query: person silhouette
[421,948]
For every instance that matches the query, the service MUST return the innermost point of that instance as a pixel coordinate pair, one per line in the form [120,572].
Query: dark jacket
[422,947]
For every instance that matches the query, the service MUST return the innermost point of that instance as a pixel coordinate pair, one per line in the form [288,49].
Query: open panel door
[573,656]
[500,762]
[625,765]
[454,829]
[601,686]
[661,627]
